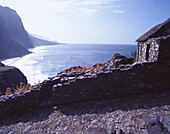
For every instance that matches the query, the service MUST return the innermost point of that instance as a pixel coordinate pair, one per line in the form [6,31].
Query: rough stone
[154,127]
[166,122]
[118,59]
[97,130]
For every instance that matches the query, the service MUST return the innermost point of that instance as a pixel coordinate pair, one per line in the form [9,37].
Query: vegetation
[133,54]
[22,88]
[95,67]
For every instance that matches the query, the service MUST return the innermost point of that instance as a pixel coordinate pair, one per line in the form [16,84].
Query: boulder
[118,59]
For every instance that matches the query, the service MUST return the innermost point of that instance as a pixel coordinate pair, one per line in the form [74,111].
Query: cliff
[14,39]
[11,26]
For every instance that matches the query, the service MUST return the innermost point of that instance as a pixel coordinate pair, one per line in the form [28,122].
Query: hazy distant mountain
[41,42]
[11,26]
[39,36]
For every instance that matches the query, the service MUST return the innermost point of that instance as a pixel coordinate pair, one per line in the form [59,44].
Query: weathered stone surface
[166,122]
[120,82]
[97,130]
[154,44]
[154,127]
[118,59]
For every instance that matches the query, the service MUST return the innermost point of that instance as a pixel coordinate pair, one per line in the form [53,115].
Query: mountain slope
[12,27]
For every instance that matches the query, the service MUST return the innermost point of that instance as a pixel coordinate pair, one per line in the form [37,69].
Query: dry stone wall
[156,45]
[127,80]
[139,78]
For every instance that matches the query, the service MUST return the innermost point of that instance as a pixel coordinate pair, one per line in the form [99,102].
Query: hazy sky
[90,21]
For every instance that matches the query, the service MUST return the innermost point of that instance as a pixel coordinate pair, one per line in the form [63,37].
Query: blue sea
[47,61]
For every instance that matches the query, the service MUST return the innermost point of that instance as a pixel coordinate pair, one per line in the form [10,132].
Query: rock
[71,78]
[166,122]
[118,59]
[94,121]
[11,132]
[111,130]
[146,119]
[26,129]
[119,131]
[154,127]
[59,85]
[97,130]
[56,79]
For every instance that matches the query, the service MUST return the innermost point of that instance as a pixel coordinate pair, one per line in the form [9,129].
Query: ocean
[48,61]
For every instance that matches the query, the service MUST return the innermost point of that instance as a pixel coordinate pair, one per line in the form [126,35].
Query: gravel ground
[131,114]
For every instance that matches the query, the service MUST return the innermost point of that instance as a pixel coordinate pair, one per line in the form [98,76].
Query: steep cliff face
[11,26]
[14,39]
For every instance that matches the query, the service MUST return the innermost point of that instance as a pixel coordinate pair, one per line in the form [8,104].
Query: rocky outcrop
[10,77]
[118,59]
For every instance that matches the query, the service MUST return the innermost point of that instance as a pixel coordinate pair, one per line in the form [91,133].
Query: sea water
[47,61]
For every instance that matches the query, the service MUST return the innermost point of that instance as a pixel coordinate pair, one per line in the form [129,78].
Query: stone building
[154,44]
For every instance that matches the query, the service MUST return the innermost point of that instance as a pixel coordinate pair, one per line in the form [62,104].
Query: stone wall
[153,51]
[155,45]
[20,102]
[127,80]
[75,87]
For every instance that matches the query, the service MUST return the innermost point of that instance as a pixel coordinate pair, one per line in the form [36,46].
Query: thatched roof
[162,29]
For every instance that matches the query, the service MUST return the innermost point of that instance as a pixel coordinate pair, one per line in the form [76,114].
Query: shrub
[22,88]
[133,54]
[8,91]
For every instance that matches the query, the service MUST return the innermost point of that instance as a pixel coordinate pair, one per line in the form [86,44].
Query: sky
[90,21]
